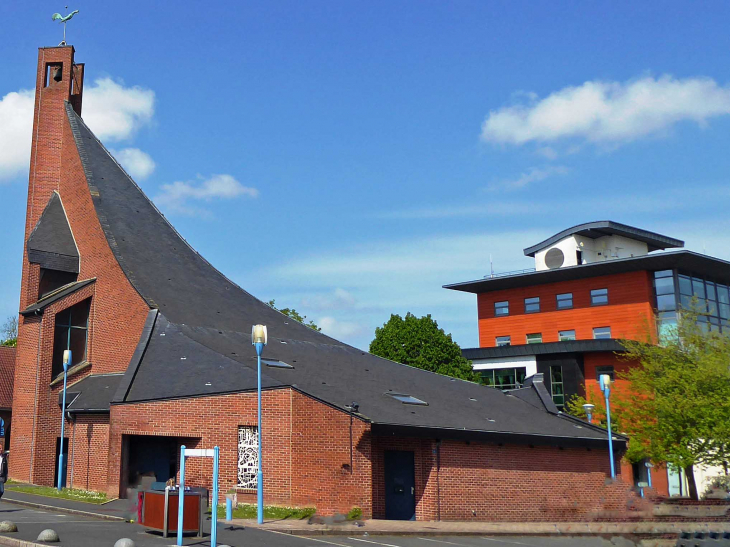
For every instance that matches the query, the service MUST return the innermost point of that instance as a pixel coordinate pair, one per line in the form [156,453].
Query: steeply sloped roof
[199,342]
[7,376]
[93,394]
[51,243]
[601,228]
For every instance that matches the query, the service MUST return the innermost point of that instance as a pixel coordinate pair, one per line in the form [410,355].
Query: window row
[514,378]
[564,301]
[599,333]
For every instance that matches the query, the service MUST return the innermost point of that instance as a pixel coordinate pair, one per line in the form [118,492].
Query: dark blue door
[400,485]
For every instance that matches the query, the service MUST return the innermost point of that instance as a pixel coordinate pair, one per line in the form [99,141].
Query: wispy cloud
[534,174]
[115,112]
[340,329]
[335,300]
[137,163]
[177,197]
[112,111]
[608,112]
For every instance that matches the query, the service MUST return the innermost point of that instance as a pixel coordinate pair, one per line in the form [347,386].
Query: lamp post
[605,382]
[66,362]
[588,409]
[259,338]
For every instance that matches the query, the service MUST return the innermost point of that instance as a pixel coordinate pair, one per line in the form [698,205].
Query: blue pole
[214,521]
[648,473]
[260,474]
[181,498]
[63,425]
[610,437]
[229,508]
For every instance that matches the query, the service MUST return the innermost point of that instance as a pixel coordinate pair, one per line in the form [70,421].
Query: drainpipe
[438,479]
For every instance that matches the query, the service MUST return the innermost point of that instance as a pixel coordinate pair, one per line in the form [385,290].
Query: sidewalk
[113,510]
[421,528]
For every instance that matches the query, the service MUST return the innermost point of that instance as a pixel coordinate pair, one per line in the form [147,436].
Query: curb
[56,509]
[12,542]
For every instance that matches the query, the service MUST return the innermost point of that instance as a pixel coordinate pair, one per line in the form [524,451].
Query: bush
[354,514]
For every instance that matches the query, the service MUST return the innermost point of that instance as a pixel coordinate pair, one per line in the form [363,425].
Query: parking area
[82,531]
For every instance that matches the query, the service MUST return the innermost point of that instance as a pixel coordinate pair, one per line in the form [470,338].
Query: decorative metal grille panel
[248,457]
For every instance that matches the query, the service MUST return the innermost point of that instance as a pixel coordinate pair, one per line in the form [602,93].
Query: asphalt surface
[89,532]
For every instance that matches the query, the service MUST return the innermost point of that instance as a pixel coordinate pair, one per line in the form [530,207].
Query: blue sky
[349,158]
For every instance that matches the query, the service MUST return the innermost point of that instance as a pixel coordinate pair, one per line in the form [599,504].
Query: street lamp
[588,409]
[605,382]
[259,337]
[66,363]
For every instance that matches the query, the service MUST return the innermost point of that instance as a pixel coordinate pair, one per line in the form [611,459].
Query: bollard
[229,508]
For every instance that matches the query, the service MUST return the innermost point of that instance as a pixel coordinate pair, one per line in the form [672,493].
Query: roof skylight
[276,364]
[407,399]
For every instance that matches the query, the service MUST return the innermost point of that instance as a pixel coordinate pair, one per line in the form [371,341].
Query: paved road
[88,532]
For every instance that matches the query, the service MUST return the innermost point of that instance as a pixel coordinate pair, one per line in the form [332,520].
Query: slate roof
[51,243]
[600,228]
[196,341]
[712,268]
[7,376]
[92,394]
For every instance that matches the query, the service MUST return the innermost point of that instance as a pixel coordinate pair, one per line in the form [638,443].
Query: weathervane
[60,18]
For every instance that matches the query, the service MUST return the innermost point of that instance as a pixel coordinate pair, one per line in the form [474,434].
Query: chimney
[58,80]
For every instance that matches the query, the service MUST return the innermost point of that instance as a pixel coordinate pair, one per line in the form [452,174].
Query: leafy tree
[9,332]
[676,407]
[419,342]
[294,314]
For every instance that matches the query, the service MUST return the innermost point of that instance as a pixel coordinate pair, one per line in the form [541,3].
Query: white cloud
[547,152]
[340,329]
[114,112]
[137,163]
[608,112]
[176,196]
[534,174]
[335,300]
[16,126]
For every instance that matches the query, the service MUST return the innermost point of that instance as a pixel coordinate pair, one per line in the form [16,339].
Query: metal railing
[505,274]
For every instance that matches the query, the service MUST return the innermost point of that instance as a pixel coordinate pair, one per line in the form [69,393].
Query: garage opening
[148,460]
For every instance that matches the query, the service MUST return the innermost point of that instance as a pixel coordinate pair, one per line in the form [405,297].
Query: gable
[52,244]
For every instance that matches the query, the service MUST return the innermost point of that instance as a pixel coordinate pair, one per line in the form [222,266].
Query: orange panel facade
[629,312]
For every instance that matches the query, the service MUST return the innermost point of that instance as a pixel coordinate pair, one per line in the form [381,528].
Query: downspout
[438,479]
[73,447]
[35,401]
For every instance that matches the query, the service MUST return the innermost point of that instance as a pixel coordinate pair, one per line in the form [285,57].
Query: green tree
[294,314]
[419,342]
[9,332]
[678,406]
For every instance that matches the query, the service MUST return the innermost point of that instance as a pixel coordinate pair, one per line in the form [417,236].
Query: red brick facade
[314,454]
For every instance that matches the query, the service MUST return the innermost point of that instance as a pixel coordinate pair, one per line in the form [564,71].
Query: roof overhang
[504,437]
[713,268]
[601,228]
[547,348]
[38,307]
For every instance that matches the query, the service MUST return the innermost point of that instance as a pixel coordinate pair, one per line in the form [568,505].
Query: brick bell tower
[59,80]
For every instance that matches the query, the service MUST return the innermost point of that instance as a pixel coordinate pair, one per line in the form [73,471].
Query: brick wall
[505,483]
[88,452]
[117,312]
[629,312]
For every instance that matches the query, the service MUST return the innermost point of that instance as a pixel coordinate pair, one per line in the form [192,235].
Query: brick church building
[162,356]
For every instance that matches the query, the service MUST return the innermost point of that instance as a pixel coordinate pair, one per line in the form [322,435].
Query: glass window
[599,297]
[607,369]
[663,273]
[685,285]
[556,386]
[505,378]
[667,325]
[724,310]
[70,333]
[501,308]
[722,294]
[698,288]
[664,285]
[600,333]
[535,338]
[503,341]
[532,305]
[565,301]
[566,335]
[666,302]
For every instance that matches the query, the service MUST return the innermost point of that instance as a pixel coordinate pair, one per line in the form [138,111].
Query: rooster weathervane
[63,19]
